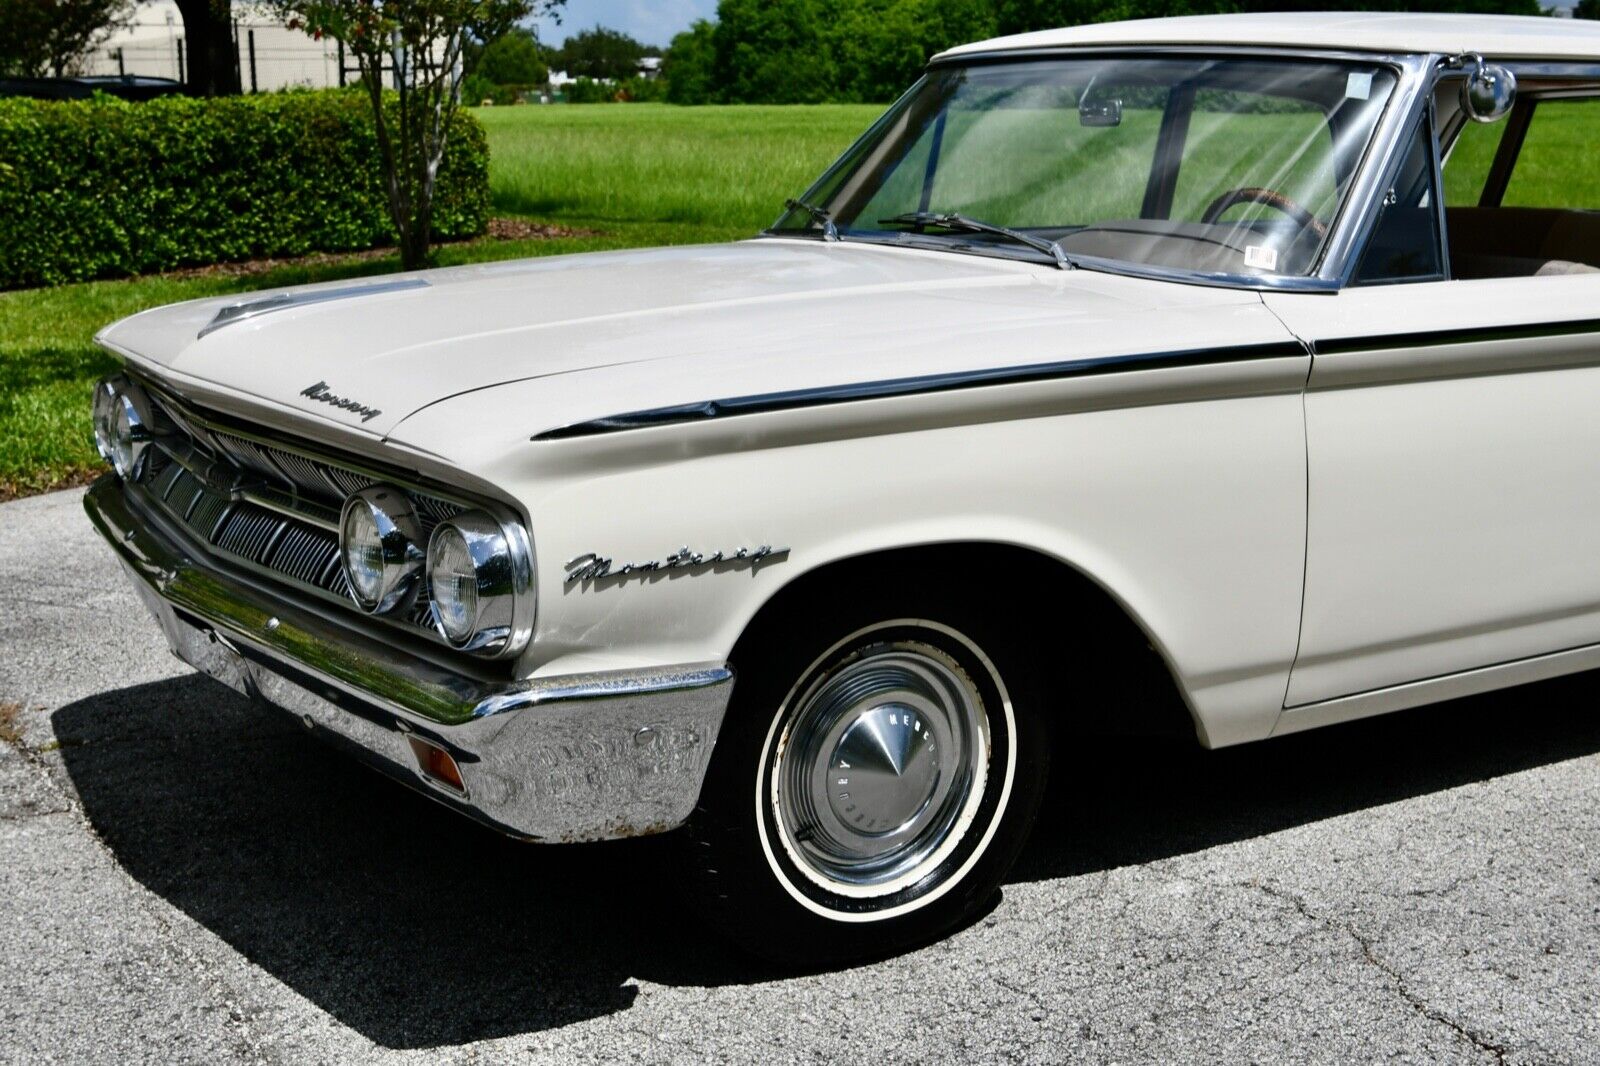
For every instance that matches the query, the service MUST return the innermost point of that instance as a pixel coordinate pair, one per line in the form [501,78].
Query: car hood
[587,336]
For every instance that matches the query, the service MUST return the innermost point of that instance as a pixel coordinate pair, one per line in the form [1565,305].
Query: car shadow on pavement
[420,929]
[401,919]
[1124,802]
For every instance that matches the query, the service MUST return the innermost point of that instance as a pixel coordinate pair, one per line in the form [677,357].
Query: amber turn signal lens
[437,765]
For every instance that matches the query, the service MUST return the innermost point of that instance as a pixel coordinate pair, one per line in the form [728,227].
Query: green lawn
[638,175]
[727,169]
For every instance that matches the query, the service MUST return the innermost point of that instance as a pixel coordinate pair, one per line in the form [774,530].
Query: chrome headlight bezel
[103,414]
[401,552]
[502,561]
[127,425]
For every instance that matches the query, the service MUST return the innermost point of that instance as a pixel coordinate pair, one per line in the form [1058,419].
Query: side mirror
[1488,92]
[1100,114]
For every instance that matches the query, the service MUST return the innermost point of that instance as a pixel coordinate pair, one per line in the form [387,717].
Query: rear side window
[1557,165]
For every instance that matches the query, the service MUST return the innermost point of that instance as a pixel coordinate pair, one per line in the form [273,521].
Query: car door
[1453,438]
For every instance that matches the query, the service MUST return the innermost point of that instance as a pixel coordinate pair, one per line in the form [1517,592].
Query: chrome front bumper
[586,757]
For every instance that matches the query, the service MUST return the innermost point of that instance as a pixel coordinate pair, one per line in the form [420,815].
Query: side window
[1405,242]
[1523,195]
[1556,167]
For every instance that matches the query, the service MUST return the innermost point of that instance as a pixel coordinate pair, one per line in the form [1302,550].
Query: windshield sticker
[1358,86]
[1261,257]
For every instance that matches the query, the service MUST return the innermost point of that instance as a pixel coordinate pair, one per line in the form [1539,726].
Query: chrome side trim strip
[1438,337]
[763,403]
[283,301]
[1394,359]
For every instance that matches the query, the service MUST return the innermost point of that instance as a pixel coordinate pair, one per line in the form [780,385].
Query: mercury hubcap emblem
[885,769]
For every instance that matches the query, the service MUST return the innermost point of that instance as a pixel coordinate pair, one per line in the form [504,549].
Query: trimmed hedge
[104,187]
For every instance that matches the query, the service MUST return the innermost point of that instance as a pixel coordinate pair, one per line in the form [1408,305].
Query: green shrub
[589,91]
[103,187]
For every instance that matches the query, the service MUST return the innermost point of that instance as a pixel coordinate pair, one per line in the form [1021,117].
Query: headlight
[122,425]
[380,545]
[480,578]
[105,412]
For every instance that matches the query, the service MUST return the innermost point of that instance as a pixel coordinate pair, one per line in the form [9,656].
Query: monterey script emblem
[592,566]
[320,393]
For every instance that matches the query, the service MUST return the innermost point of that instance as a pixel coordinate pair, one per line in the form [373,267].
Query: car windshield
[1216,165]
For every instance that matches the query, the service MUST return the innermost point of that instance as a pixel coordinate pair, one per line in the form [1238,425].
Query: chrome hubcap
[880,767]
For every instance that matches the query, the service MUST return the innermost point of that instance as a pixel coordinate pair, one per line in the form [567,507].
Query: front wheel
[872,785]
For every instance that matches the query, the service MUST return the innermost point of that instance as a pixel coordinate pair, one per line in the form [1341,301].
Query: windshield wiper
[951,220]
[830,232]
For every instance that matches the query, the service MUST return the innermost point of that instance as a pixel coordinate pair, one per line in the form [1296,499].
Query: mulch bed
[15,490]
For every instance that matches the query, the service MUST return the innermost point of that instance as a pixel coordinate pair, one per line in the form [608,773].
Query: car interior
[1497,229]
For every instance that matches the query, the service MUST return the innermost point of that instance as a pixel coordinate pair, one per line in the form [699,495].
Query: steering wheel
[1251,194]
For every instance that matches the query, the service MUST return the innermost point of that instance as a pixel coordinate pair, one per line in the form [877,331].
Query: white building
[271,56]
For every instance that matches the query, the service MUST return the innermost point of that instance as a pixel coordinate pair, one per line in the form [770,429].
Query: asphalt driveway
[184,878]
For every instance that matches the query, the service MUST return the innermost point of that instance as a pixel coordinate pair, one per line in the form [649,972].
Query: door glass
[1547,222]
[1557,165]
[1405,243]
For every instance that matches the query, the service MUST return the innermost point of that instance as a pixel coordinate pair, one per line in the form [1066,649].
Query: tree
[211,59]
[512,59]
[417,45]
[688,67]
[601,54]
[39,37]
[775,51]
[883,45]
[1587,9]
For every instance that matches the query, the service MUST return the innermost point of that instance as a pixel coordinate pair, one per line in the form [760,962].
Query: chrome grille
[306,554]
[207,514]
[270,506]
[249,532]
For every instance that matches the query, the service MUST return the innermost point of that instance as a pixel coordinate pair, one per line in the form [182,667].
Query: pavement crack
[1370,955]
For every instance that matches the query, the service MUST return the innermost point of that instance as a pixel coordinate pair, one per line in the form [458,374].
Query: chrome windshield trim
[283,301]
[765,403]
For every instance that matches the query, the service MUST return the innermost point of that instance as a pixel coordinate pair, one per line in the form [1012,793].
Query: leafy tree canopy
[513,59]
[52,37]
[805,51]
[601,54]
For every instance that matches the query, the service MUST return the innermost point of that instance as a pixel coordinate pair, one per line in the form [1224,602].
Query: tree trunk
[210,56]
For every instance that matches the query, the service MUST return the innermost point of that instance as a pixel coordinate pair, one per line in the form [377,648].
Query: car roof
[1504,36]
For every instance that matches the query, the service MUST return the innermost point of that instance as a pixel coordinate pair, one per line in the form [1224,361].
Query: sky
[650,21]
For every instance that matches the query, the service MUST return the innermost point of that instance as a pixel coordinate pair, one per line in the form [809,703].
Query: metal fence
[270,56]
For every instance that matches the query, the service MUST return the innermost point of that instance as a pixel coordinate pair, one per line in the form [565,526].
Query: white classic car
[1227,376]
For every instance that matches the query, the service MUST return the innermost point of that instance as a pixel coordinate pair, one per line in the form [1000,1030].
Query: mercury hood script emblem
[592,566]
[320,393]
